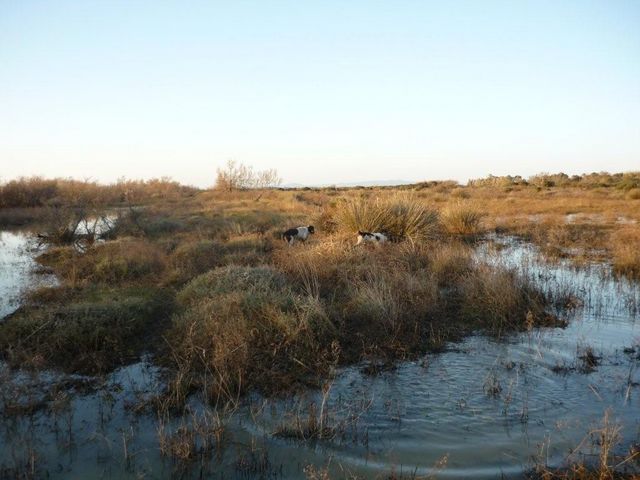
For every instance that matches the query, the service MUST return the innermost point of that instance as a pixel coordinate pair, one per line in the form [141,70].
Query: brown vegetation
[291,312]
[203,280]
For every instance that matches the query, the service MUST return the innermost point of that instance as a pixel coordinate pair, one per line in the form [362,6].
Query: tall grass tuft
[625,246]
[461,218]
[245,327]
[400,216]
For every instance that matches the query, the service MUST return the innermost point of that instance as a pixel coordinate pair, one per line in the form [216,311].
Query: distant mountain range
[369,183]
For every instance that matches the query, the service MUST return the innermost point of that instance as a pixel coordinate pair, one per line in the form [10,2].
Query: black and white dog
[299,233]
[375,237]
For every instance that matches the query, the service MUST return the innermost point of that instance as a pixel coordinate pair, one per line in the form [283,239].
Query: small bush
[247,250]
[460,193]
[256,282]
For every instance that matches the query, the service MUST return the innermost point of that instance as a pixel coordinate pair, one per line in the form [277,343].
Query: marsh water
[18,270]
[484,408]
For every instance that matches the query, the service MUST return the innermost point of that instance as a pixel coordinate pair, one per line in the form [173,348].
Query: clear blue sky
[324,91]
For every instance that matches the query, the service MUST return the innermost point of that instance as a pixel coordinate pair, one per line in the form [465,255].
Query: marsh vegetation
[188,317]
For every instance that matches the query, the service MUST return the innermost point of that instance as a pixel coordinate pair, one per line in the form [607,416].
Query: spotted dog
[371,237]
[299,233]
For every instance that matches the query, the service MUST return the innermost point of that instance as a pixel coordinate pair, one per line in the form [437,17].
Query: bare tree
[237,176]
[267,179]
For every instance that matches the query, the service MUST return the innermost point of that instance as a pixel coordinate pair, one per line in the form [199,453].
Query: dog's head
[311,229]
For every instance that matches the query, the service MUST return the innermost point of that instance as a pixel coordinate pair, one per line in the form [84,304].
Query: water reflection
[18,270]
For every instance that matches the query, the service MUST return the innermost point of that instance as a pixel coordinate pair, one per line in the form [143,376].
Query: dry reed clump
[315,269]
[625,246]
[118,261]
[370,294]
[125,260]
[450,263]
[461,218]
[197,436]
[390,305]
[400,216]
[398,299]
[192,257]
[244,327]
[500,299]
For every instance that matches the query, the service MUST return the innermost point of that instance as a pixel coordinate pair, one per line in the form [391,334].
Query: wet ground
[484,408]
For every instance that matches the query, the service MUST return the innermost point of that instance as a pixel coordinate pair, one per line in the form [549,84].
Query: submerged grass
[605,463]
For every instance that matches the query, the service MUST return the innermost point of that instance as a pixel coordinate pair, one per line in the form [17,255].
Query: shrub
[247,250]
[37,191]
[450,263]
[254,281]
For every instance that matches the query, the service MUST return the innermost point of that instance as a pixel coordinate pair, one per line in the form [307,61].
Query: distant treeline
[39,192]
[622,181]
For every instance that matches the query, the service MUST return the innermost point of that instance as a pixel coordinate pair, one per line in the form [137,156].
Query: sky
[323,91]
